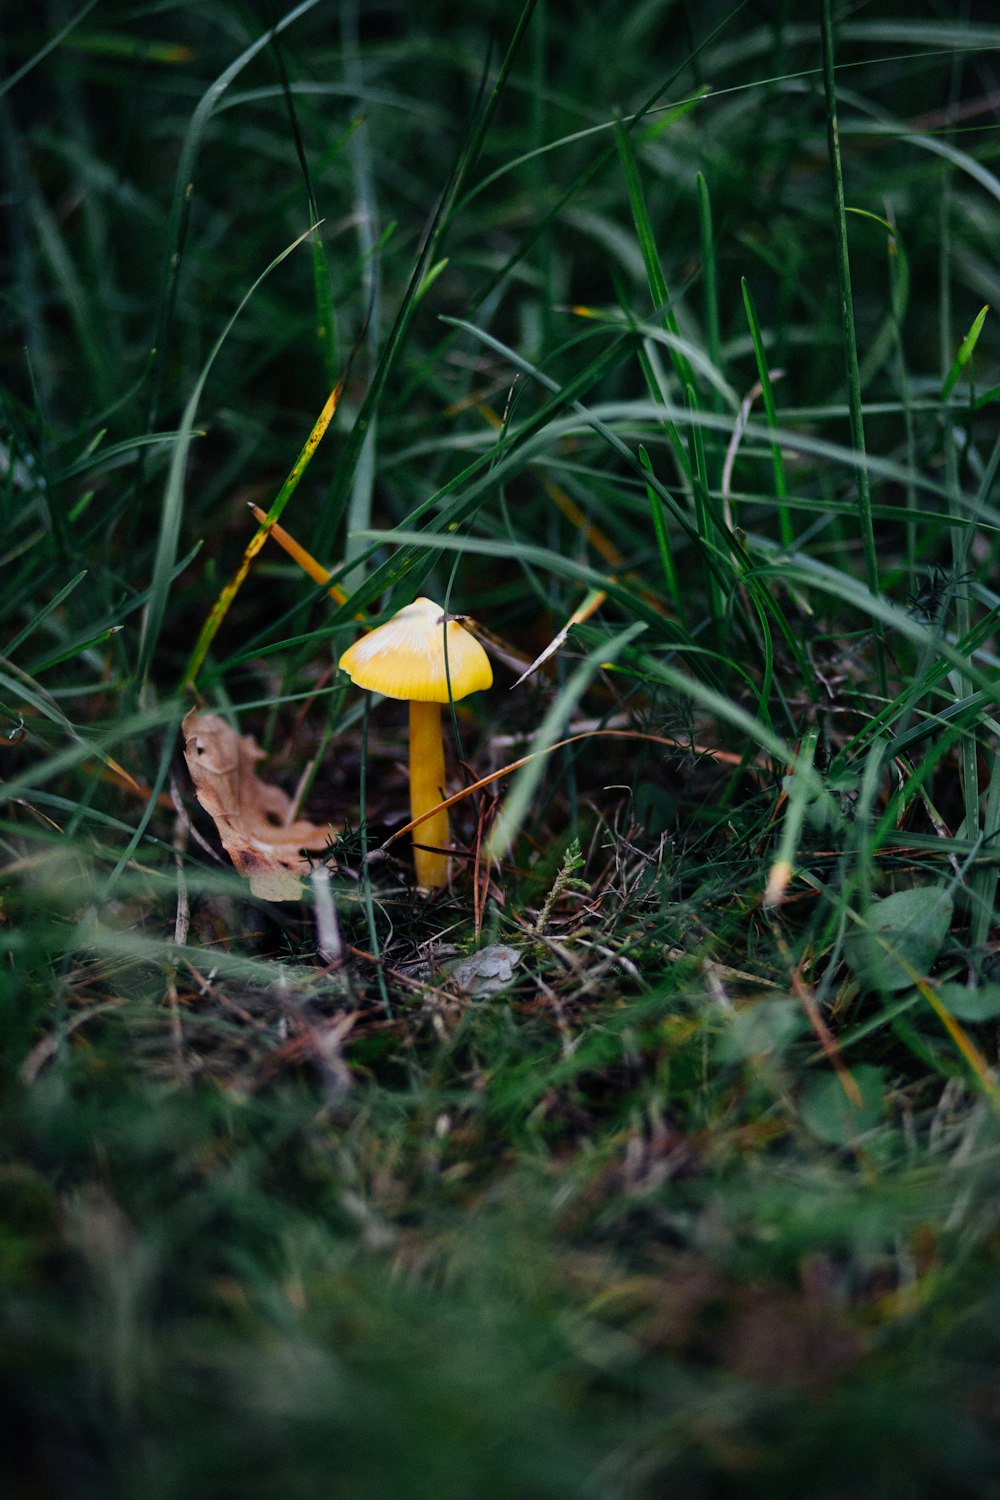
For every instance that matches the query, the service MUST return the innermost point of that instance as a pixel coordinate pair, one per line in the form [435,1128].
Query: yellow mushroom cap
[404,658]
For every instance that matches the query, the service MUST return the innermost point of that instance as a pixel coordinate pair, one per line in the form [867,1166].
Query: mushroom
[406,658]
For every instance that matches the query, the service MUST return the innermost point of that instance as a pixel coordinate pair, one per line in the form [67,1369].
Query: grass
[660,1152]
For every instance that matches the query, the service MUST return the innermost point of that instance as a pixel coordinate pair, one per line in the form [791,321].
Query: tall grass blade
[176,235]
[50,46]
[764,374]
[326,322]
[647,244]
[266,523]
[713,337]
[526,781]
[848,332]
[173,496]
[428,255]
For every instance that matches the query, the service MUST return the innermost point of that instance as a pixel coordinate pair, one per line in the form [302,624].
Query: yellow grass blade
[222,604]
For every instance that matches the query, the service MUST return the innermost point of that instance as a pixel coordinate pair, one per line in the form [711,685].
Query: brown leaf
[253,817]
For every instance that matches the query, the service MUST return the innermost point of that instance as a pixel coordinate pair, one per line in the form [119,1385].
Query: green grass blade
[326,323]
[848,331]
[964,354]
[429,254]
[50,46]
[43,614]
[662,540]
[713,337]
[647,243]
[552,728]
[173,494]
[191,145]
[785,528]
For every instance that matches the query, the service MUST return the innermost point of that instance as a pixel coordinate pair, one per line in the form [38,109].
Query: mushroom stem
[426,790]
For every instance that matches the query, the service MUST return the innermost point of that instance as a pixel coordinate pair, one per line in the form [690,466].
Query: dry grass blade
[726,757]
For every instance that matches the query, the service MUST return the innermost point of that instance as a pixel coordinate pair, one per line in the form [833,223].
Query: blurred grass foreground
[658,1151]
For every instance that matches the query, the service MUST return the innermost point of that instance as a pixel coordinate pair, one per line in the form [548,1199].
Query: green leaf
[766,1026]
[903,935]
[982,1004]
[829,1113]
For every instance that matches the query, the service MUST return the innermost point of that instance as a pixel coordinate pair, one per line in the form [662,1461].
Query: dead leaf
[254,819]
[485,972]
